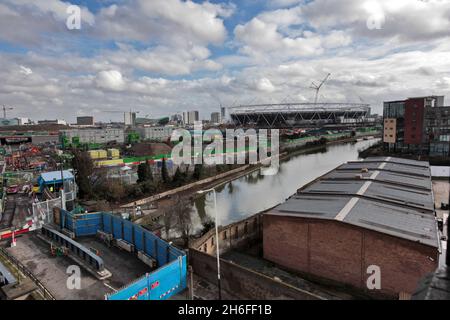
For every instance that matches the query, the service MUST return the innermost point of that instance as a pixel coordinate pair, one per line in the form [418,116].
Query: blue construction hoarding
[170,277]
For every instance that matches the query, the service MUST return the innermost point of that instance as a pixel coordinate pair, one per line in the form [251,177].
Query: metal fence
[43,211]
[46,294]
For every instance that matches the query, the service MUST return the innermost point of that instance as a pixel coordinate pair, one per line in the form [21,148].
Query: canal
[253,193]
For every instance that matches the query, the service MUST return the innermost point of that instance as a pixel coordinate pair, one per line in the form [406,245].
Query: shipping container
[93,154]
[102,154]
[113,153]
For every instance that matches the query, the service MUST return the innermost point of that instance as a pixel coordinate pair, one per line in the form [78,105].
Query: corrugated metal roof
[417,163]
[56,175]
[396,221]
[383,176]
[388,166]
[398,203]
[376,190]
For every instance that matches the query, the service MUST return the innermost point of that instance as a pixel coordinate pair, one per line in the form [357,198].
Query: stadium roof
[392,202]
[299,107]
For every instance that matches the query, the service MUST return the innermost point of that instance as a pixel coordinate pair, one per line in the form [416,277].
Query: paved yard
[35,254]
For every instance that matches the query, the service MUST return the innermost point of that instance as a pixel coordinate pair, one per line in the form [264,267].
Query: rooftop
[394,196]
[56,175]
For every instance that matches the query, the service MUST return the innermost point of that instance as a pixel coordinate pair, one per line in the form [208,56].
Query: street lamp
[217,237]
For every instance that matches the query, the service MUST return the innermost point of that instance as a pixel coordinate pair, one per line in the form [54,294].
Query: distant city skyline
[168,56]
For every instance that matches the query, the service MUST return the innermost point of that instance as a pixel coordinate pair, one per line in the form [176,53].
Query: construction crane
[4,111]
[317,87]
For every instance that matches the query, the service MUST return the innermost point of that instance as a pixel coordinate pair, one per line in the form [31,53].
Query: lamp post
[217,236]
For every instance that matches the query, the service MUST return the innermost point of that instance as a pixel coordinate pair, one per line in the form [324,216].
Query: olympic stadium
[299,114]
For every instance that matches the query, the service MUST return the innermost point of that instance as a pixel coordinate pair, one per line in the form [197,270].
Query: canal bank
[253,192]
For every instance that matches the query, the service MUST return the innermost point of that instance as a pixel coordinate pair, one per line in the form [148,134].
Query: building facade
[190,117]
[94,135]
[215,117]
[155,133]
[130,118]
[85,121]
[417,125]
[377,214]
[437,130]
[50,122]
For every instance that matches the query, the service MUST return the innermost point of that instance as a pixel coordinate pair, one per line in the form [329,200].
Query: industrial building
[155,133]
[417,125]
[378,212]
[52,122]
[100,135]
[299,114]
[85,121]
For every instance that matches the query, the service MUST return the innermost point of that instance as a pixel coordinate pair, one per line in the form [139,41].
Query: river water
[253,193]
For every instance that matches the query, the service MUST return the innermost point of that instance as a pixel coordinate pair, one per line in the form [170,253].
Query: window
[225,235]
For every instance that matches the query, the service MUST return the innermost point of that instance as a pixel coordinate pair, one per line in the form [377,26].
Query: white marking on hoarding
[108,286]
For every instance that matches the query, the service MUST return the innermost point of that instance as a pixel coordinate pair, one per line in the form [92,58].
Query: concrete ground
[17,210]
[269,269]
[204,290]
[35,254]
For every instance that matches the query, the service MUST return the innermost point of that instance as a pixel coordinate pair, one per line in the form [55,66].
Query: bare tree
[180,214]
[168,220]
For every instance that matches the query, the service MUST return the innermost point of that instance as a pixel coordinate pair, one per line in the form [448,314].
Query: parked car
[12,189]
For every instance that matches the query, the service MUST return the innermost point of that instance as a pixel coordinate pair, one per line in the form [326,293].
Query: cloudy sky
[165,56]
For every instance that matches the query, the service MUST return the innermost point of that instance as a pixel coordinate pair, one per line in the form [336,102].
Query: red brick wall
[403,263]
[335,252]
[414,118]
[286,242]
[341,252]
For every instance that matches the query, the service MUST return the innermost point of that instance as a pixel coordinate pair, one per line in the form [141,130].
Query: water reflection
[254,192]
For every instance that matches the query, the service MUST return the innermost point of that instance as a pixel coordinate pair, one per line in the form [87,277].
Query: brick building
[379,212]
[417,125]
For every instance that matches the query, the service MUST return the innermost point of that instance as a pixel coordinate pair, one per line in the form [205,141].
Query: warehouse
[100,135]
[378,212]
[155,133]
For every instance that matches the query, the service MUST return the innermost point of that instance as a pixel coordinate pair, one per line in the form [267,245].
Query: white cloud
[110,80]
[266,85]
[26,71]
[164,60]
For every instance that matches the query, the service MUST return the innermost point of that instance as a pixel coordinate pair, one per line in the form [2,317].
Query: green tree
[84,168]
[144,173]
[179,178]
[198,172]
[164,172]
